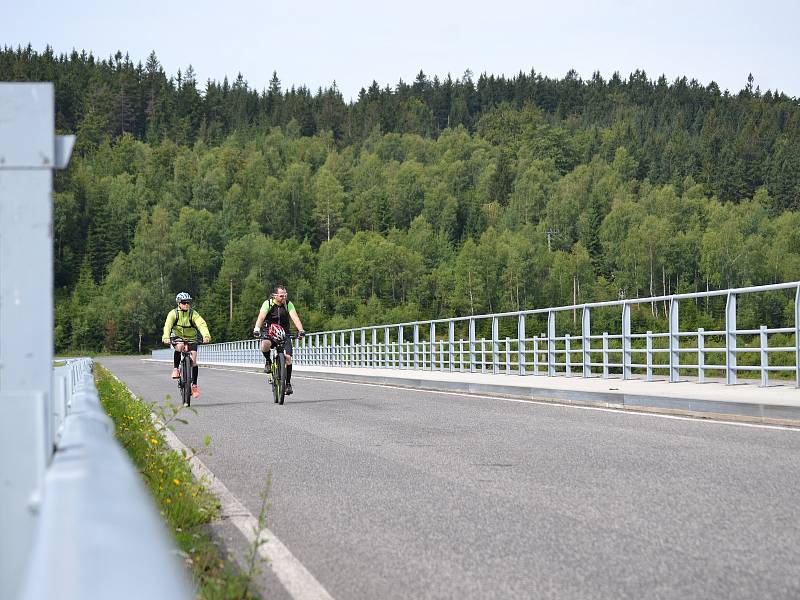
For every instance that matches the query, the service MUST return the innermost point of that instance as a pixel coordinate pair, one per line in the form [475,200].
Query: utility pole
[230,310]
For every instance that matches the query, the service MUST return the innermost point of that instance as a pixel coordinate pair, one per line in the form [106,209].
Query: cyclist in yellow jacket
[185,323]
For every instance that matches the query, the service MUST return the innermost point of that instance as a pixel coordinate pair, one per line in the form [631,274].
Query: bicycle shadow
[300,401]
[201,404]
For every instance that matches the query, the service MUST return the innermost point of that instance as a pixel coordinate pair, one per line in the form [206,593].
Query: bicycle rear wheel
[186,380]
[281,377]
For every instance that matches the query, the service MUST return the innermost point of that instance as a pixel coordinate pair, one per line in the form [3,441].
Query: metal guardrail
[98,534]
[75,521]
[624,353]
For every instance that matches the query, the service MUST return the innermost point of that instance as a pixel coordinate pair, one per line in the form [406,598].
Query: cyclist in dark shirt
[278,309]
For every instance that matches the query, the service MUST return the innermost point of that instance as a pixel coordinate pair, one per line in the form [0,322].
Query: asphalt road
[393,493]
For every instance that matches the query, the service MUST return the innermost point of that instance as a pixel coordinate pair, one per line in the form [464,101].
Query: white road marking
[297,580]
[619,411]
[623,411]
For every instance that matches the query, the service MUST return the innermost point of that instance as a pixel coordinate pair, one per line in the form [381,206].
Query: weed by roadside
[186,505]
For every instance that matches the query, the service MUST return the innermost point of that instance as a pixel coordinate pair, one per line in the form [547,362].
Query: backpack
[198,338]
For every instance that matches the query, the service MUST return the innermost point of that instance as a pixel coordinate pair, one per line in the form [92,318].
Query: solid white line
[297,580]
[619,411]
[623,411]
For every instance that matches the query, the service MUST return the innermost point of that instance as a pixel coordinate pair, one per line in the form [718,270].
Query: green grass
[186,506]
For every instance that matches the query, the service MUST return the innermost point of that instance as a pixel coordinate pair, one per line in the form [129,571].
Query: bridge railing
[539,342]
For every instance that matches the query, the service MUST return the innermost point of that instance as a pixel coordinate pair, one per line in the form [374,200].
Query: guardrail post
[374,354]
[29,151]
[701,355]
[342,351]
[626,341]
[797,338]
[605,355]
[330,349]
[432,339]
[416,345]
[551,343]
[25,454]
[674,342]
[385,351]
[471,345]
[400,343]
[730,339]
[62,390]
[763,345]
[536,354]
[495,345]
[649,355]
[362,350]
[567,355]
[451,342]
[586,341]
[521,345]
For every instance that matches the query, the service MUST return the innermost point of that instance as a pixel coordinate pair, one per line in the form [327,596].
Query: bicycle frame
[185,371]
[279,374]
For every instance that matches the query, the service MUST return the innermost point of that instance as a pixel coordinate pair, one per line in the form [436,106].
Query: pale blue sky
[355,42]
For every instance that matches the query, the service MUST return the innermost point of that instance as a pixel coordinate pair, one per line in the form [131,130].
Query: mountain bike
[184,370]
[278,372]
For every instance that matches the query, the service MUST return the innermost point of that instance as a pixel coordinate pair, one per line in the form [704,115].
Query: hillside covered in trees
[431,199]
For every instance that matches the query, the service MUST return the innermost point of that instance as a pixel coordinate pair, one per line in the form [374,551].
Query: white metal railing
[434,345]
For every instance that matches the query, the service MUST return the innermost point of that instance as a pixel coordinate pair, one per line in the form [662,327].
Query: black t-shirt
[277,313]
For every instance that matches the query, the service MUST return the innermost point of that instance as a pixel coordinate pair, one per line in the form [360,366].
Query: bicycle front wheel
[280,378]
[186,380]
[275,381]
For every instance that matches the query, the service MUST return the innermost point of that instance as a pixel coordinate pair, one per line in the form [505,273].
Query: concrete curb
[707,409]
[750,412]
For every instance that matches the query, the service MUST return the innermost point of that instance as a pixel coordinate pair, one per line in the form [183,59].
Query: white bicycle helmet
[182,297]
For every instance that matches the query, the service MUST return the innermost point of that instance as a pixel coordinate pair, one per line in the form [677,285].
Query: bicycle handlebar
[180,340]
[294,336]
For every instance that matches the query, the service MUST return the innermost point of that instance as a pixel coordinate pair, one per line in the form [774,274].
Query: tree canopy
[431,199]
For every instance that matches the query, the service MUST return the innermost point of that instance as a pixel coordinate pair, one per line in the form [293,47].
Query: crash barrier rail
[96,531]
[454,344]
[75,521]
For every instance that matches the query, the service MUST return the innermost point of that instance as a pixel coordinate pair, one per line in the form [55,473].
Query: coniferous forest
[435,198]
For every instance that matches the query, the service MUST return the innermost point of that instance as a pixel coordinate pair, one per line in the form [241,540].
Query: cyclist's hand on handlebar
[256,333]
[166,341]
[206,339]
[301,333]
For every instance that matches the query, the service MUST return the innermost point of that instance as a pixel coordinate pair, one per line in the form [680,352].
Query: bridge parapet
[510,343]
